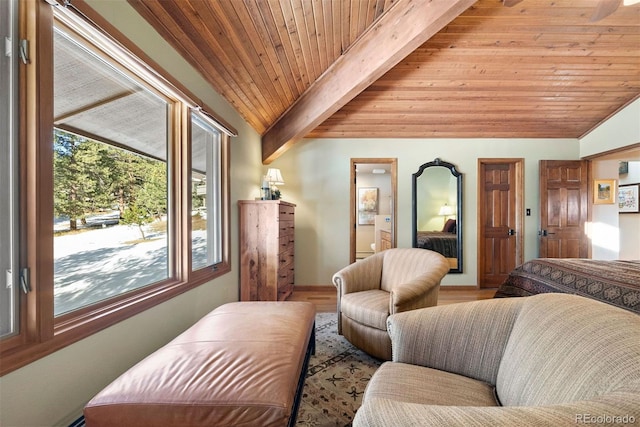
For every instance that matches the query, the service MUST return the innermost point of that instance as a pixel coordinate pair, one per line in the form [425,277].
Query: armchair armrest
[419,292]
[360,276]
[467,339]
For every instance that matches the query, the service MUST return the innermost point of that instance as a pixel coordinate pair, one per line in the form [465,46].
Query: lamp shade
[445,210]
[274,176]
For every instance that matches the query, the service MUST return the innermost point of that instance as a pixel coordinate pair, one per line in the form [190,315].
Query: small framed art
[628,198]
[367,205]
[604,191]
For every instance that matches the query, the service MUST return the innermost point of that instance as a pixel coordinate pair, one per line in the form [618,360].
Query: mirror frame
[414,213]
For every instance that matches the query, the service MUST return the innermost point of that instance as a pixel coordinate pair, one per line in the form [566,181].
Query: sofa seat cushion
[370,308]
[416,384]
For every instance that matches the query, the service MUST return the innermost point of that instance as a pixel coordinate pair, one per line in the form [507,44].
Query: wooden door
[500,219]
[564,198]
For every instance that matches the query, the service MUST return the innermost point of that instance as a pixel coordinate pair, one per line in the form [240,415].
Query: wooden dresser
[266,249]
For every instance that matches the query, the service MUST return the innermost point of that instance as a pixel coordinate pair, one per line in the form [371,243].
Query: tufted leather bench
[243,364]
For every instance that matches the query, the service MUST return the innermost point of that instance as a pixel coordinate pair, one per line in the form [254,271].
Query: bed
[444,242]
[439,241]
[614,282]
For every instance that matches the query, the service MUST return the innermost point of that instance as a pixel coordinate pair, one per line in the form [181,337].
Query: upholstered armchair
[382,284]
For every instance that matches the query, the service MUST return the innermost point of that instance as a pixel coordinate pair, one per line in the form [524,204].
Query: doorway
[500,219]
[373,201]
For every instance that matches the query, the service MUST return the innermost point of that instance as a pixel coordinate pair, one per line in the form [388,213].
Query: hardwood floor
[324,297]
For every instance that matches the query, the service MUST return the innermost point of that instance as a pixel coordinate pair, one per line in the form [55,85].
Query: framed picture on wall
[628,198]
[604,191]
[367,205]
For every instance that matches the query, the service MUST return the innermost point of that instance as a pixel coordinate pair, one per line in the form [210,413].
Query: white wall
[604,230]
[614,236]
[53,390]
[621,130]
[321,193]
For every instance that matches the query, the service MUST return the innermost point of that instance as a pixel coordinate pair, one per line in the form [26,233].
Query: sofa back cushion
[465,339]
[565,348]
[401,265]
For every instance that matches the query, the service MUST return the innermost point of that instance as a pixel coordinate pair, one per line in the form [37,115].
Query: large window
[125,201]
[110,178]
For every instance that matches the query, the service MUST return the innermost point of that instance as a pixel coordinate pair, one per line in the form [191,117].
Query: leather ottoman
[243,364]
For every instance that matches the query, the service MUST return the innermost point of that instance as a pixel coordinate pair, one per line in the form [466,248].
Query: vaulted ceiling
[409,68]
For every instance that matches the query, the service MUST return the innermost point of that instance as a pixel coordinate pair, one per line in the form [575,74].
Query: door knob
[511,232]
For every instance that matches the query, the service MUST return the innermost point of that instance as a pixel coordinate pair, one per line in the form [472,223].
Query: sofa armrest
[467,339]
[379,412]
[360,276]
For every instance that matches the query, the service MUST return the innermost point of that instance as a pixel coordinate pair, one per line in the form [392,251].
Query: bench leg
[311,349]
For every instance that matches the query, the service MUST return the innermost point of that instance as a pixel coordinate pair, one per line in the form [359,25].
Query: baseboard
[459,288]
[314,288]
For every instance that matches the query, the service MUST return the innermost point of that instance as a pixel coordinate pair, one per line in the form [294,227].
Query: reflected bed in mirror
[437,211]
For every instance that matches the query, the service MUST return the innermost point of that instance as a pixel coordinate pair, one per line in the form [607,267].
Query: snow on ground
[93,265]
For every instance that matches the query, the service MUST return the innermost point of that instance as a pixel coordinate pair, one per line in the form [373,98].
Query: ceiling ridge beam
[398,32]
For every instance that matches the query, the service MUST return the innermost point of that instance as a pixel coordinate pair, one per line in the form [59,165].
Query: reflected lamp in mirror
[446,211]
[274,176]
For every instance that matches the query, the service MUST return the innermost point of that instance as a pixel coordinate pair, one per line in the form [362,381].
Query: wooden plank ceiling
[539,69]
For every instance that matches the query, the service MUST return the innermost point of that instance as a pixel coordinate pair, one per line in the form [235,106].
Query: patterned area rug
[337,376]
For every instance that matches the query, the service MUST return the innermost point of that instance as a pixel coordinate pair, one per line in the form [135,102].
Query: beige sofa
[544,360]
[391,281]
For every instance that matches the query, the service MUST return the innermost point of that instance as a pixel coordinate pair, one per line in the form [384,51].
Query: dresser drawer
[286,212]
[285,242]
[286,227]
[285,258]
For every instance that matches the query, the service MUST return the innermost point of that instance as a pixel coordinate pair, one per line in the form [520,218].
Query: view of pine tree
[80,177]
[149,198]
[90,177]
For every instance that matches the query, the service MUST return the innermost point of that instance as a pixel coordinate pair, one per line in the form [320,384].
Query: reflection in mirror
[437,211]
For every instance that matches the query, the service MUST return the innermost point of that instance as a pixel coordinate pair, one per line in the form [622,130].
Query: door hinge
[25,280]
[24,51]
[8,47]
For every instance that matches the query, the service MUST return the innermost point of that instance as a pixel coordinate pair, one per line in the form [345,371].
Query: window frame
[10,167]
[40,332]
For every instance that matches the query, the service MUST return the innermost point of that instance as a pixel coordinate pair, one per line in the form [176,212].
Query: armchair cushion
[415,384]
[371,308]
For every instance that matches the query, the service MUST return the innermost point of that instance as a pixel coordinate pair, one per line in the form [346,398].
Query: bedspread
[614,282]
[439,241]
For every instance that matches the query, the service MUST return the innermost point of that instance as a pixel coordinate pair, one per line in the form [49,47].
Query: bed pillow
[449,226]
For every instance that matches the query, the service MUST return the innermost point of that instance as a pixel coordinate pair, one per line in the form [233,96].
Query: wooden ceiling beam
[401,30]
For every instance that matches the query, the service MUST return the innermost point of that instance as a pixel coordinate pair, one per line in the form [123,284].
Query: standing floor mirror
[437,211]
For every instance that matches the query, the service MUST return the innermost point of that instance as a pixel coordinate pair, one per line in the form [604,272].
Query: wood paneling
[540,69]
